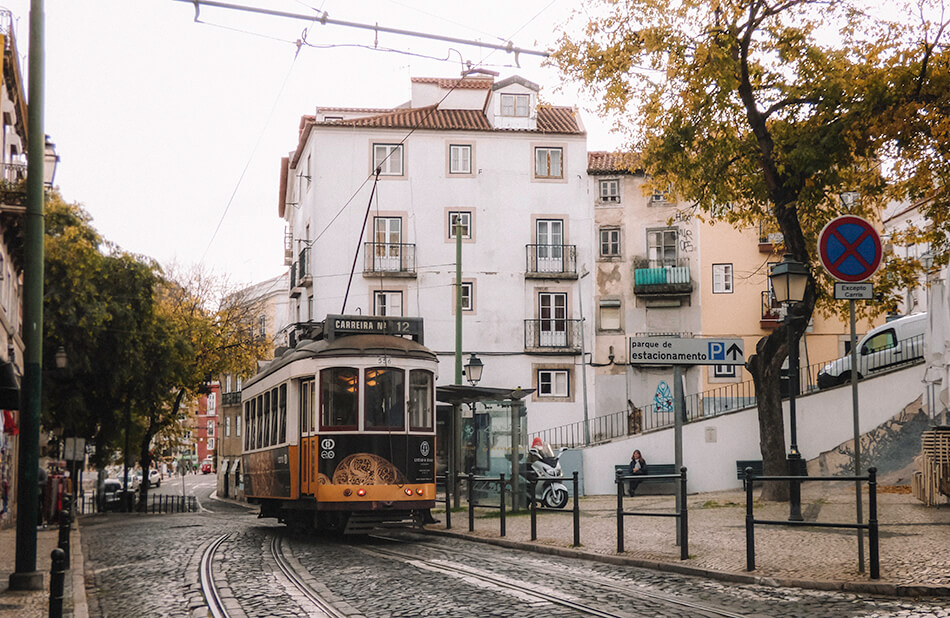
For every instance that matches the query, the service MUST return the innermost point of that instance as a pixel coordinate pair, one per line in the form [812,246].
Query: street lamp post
[788,279]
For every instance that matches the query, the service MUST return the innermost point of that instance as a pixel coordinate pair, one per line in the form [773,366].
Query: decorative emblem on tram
[424,448]
[326,448]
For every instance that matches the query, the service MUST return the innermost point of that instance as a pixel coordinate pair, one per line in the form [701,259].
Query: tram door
[309,453]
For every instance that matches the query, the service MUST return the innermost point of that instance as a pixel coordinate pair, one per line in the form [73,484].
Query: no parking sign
[850,249]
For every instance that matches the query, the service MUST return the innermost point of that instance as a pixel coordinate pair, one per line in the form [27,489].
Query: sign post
[679,351]
[850,250]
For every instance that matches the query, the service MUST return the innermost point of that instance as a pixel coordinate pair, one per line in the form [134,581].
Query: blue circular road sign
[850,249]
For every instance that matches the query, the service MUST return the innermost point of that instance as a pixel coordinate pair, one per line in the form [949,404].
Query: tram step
[364,523]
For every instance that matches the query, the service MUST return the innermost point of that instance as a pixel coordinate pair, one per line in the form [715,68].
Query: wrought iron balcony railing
[553,335]
[551,261]
[390,258]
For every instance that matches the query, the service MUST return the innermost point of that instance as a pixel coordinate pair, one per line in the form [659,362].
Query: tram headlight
[360,492]
[408,491]
[419,491]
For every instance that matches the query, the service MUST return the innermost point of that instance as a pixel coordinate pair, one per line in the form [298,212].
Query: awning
[458,393]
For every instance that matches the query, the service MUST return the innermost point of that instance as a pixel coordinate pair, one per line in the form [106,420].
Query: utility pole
[25,575]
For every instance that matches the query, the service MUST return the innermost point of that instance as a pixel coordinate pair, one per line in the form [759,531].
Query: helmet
[536,442]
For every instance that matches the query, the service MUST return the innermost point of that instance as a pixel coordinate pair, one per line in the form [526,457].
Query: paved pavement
[913,546]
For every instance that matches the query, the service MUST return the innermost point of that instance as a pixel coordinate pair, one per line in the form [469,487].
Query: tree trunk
[765,366]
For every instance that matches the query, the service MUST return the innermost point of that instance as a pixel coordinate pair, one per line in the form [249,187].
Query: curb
[877,588]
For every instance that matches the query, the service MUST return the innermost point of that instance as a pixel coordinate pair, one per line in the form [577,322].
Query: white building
[487,154]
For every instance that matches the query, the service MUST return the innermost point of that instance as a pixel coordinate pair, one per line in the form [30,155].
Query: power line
[324,20]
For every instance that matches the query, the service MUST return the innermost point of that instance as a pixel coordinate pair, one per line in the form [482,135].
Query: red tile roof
[448,83]
[550,120]
[602,162]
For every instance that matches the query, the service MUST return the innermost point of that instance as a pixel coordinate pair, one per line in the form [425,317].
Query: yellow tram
[340,430]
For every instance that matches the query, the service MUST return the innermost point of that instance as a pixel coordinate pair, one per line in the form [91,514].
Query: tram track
[316,604]
[696,609]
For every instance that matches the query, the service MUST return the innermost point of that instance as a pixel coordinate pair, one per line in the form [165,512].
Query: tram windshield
[339,397]
[384,399]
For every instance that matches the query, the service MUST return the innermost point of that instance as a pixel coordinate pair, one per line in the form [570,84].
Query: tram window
[260,421]
[384,399]
[247,414]
[283,413]
[420,400]
[252,436]
[339,398]
[279,401]
[306,406]
[276,421]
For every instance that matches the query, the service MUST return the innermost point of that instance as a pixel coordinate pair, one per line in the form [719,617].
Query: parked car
[154,478]
[111,497]
[207,466]
[894,343]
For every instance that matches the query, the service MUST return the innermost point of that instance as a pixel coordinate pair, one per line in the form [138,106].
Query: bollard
[619,483]
[448,505]
[471,504]
[63,543]
[57,583]
[534,511]
[501,478]
[683,517]
[873,538]
[577,514]
[749,525]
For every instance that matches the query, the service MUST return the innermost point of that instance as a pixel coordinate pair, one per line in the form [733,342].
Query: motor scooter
[544,464]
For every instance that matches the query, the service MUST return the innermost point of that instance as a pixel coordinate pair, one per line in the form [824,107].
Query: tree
[765,111]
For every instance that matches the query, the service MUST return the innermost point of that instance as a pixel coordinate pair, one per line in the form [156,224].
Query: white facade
[479,151]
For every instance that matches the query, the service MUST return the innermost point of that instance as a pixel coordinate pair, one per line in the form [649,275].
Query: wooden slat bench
[742,464]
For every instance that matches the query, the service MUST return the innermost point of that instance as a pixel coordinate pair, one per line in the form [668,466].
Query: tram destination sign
[343,325]
[686,351]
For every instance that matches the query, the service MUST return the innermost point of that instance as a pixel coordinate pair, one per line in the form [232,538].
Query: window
[460,158]
[387,303]
[227,384]
[212,404]
[550,237]
[387,254]
[463,218]
[210,444]
[388,159]
[724,371]
[553,383]
[262,325]
[310,315]
[420,400]
[660,195]
[610,190]
[610,242]
[553,312]
[237,425]
[609,314]
[661,247]
[468,296]
[339,398]
[210,428]
[548,162]
[722,278]
[515,105]
[307,407]
[227,426]
[384,399]
[282,410]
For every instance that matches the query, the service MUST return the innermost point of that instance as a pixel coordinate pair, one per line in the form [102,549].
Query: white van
[894,343]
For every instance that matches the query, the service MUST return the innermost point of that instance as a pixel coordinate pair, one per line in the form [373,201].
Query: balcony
[553,336]
[772,312]
[769,237]
[305,277]
[662,278]
[13,186]
[389,259]
[551,262]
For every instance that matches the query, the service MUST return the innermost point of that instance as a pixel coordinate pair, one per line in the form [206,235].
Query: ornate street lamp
[473,369]
[789,279]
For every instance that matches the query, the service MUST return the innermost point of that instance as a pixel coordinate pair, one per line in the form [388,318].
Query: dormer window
[516,105]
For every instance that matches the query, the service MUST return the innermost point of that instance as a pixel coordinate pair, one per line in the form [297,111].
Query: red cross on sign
[850,249]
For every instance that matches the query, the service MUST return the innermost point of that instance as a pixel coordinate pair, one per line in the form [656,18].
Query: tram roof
[352,345]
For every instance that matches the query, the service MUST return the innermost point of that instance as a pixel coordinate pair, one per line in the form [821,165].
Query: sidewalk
[35,603]
[914,539]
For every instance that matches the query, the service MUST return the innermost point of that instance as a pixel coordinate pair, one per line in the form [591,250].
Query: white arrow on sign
[680,351]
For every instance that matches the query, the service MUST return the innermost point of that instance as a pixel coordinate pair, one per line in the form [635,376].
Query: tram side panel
[272,473]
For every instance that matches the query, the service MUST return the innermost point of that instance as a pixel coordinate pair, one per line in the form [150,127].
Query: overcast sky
[168,128]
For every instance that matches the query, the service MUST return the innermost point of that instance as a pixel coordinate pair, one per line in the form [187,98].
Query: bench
[650,486]
[742,464]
